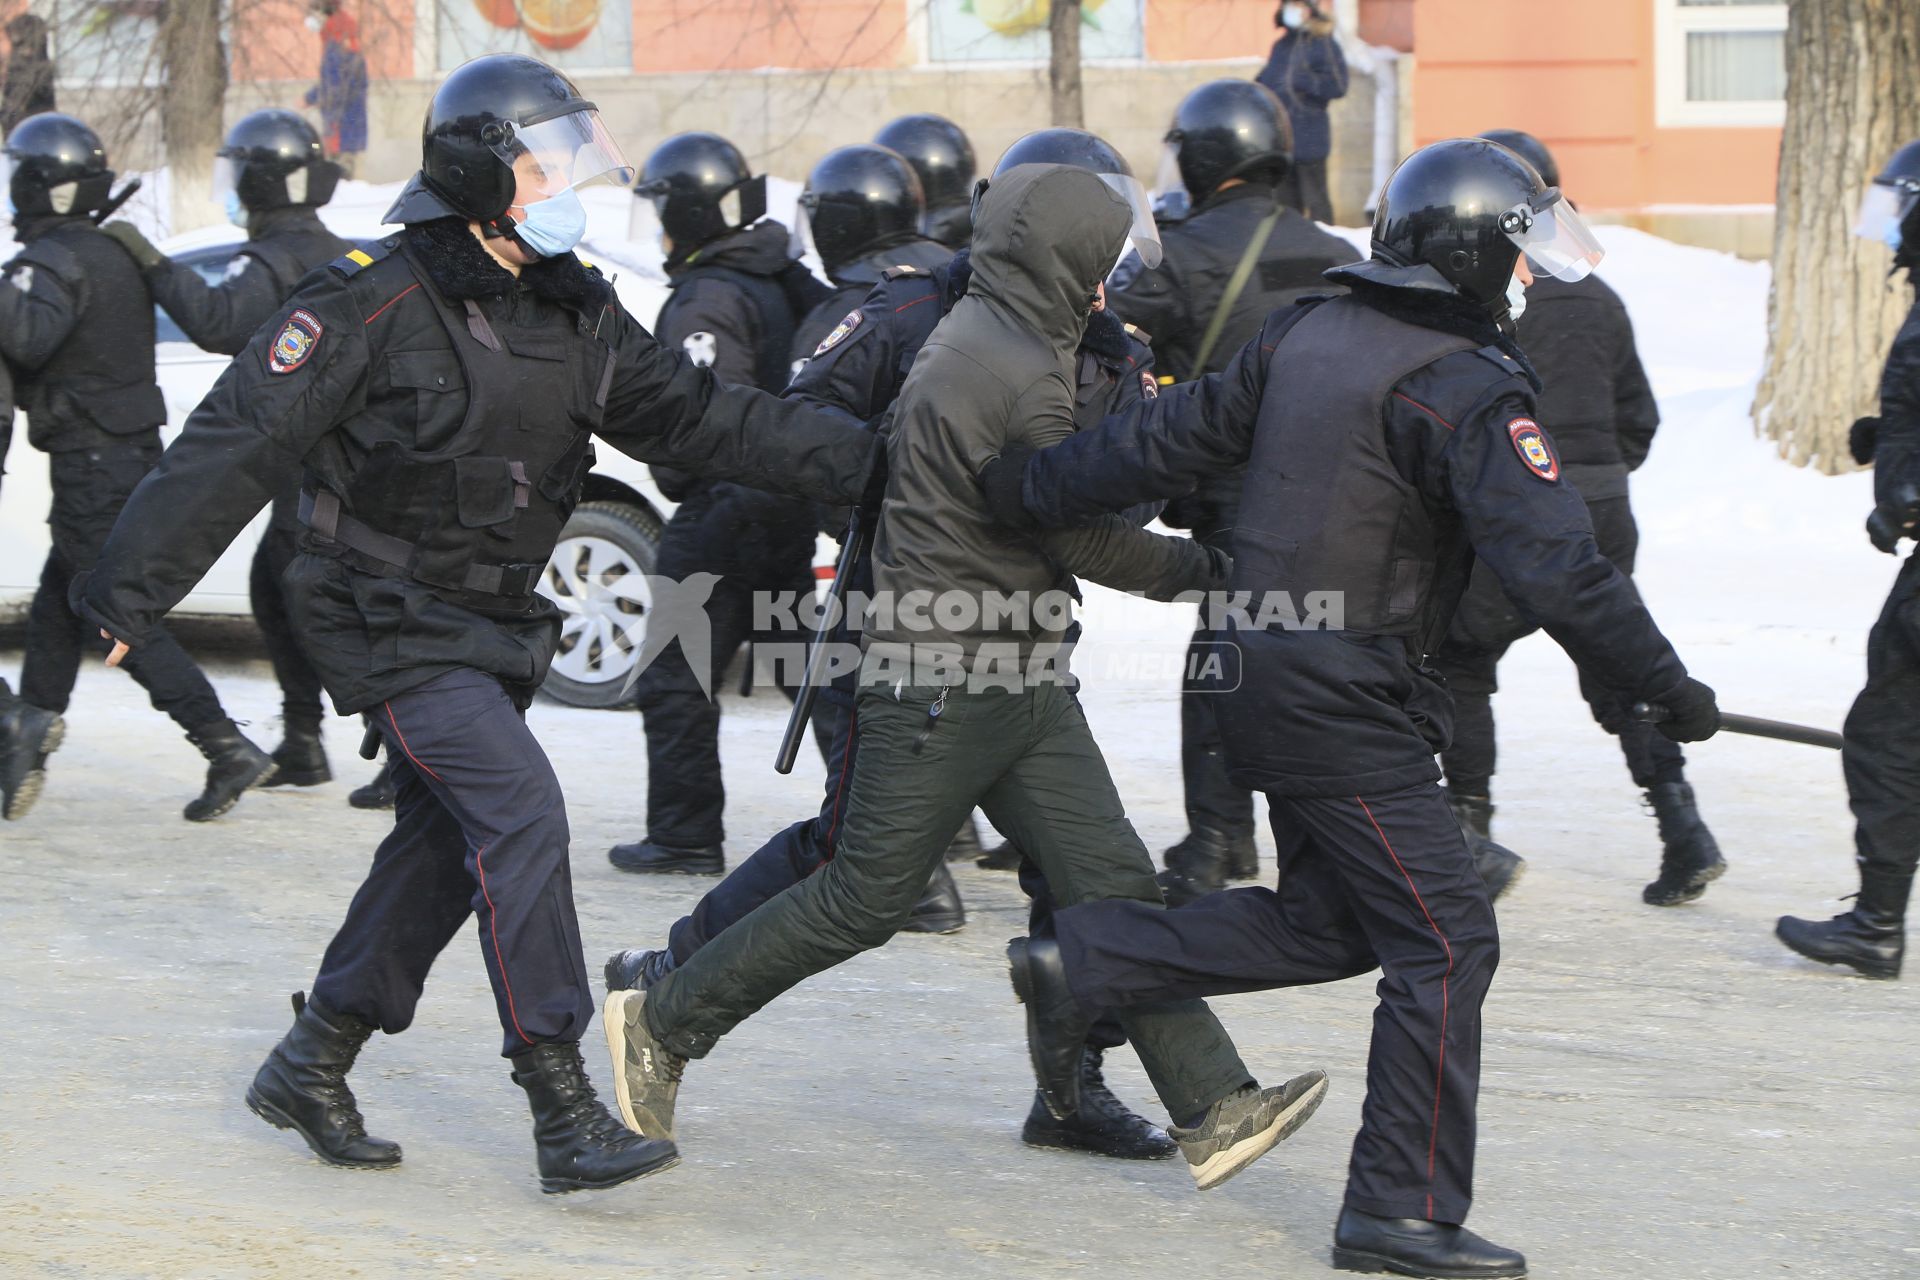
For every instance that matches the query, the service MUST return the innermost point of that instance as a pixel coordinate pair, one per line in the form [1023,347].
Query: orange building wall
[1208,30]
[1580,76]
[740,35]
[270,40]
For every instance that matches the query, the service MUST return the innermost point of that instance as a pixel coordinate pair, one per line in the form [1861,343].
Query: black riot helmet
[1530,149]
[701,188]
[273,159]
[941,155]
[1223,130]
[503,129]
[859,199]
[1456,216]
[56,165]
[1890,212]
[1076,147]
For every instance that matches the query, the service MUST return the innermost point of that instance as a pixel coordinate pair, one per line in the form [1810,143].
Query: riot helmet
[56,165]
[1224,130]
[700,188]
[941,155]
[270,160]
[1083,150]
[505,131]
[1530,149]
[1456,215]
[1890,211]
[857,200]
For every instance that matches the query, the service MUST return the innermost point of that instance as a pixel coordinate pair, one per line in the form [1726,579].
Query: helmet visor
[1556,239]
[1144,234]
[1882,210]
[800,239]
[561,154]
[226,179]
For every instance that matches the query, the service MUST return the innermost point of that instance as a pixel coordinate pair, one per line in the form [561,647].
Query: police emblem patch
[1531,443]
[1149,389]
[295,342]
[839,334]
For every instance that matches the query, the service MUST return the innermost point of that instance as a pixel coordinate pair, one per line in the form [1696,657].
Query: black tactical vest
[99,387]
[477,504]
[1323,506]
[289,247]
[771,363]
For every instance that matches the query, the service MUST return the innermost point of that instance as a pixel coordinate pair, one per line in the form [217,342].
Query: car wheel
[598,577]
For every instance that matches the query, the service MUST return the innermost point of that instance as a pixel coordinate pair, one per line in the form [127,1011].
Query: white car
[596,576]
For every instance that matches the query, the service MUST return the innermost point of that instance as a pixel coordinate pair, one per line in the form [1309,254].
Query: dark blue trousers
[479,829]
[1368,882]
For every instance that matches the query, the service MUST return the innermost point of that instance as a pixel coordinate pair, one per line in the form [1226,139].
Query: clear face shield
[1555,238]
[1883,209]
[800,239]
[1143,237]
[1169,188]
[561,155]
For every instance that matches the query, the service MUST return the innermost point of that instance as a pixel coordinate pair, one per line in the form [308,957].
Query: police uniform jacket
[282,246]
[1594,390]
[441,410]
[851,285]
[1373,485]
[1895,450]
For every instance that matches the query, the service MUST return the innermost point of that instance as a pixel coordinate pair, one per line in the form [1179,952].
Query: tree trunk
[193,96]
[1853,96]
[1063,67]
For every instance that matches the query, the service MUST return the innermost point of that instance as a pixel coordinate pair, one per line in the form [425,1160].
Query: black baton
[1753,727]
[853,545]
[113,206]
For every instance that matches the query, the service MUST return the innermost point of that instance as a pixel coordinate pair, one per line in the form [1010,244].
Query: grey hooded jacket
[998,371]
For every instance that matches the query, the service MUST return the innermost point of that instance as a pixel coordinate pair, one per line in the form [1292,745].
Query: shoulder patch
[1139,335]
[702,348]
[1149,389]
[895,273]
[1531,443]
[841,332]
[22,277]
[295,342]
[354,261]
[1495,356]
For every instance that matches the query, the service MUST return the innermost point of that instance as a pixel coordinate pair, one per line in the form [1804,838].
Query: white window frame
[1673,22]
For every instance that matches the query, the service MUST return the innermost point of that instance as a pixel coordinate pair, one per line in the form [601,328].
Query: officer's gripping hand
[120,648]
[1002,480]
[1688,712]
[1895,517]
[130,238]
[1862,436]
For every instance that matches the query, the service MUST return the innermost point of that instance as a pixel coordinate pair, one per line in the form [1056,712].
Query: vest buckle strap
[392,557]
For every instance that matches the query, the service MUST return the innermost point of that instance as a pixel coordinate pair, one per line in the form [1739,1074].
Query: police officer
[862,209]
[271,176]
[76,323]
[1882,752]
[738,293]
[858,372]
[438,390]
[27,734]
[1602,410]
[940,153]
[1369,488]
[1236,258]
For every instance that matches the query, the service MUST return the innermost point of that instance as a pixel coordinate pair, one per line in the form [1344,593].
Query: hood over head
[1044,237]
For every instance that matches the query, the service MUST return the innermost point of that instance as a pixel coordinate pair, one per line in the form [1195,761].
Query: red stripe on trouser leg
[1440,1066]
[499,957]
[407,749]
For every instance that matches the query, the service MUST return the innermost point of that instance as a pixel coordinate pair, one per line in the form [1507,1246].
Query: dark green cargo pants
[1028,760]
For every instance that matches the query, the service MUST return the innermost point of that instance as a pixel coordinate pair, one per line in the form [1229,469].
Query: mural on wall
[1016,30]
[573,34]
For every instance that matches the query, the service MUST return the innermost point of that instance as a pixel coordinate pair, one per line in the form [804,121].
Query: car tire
[597,576]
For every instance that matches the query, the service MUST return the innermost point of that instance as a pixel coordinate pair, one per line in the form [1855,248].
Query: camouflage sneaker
[646,1077]
[1245,1125]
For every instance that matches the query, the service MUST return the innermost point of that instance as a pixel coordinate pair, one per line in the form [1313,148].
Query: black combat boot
[581,1146]
[302,1086]
[649,858]
[28,735]
[1243,857]
[1196,867]
[1004,856]
[939,909]
[1473,813]
[1871,938]
[381,793]
[233,765]
[1056,1024]
[966,842]
[1417,1247]
[1102,1125]
[300,760]
[1689,857]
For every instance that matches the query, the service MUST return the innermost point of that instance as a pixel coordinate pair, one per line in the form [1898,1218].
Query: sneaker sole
[613,1017]
[1222,1165]
[1380,1264]
[281,1120]
[561,1186]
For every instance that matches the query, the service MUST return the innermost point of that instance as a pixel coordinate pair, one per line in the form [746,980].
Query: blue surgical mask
[1293,17]
[236,212]
[1516,299]
[553,226]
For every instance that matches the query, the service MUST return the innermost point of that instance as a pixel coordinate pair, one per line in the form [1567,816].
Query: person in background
[1306,71]
[942,156]
[27,87]
[341,94]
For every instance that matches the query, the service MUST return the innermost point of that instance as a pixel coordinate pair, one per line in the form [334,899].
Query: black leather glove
[1895,518]
[1861,438]
[1687,712]
[1002,480]
[130,238]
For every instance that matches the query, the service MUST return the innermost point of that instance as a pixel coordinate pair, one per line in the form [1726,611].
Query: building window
[1720,62]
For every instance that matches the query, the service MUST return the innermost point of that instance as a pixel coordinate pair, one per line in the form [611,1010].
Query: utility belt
[378,553]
